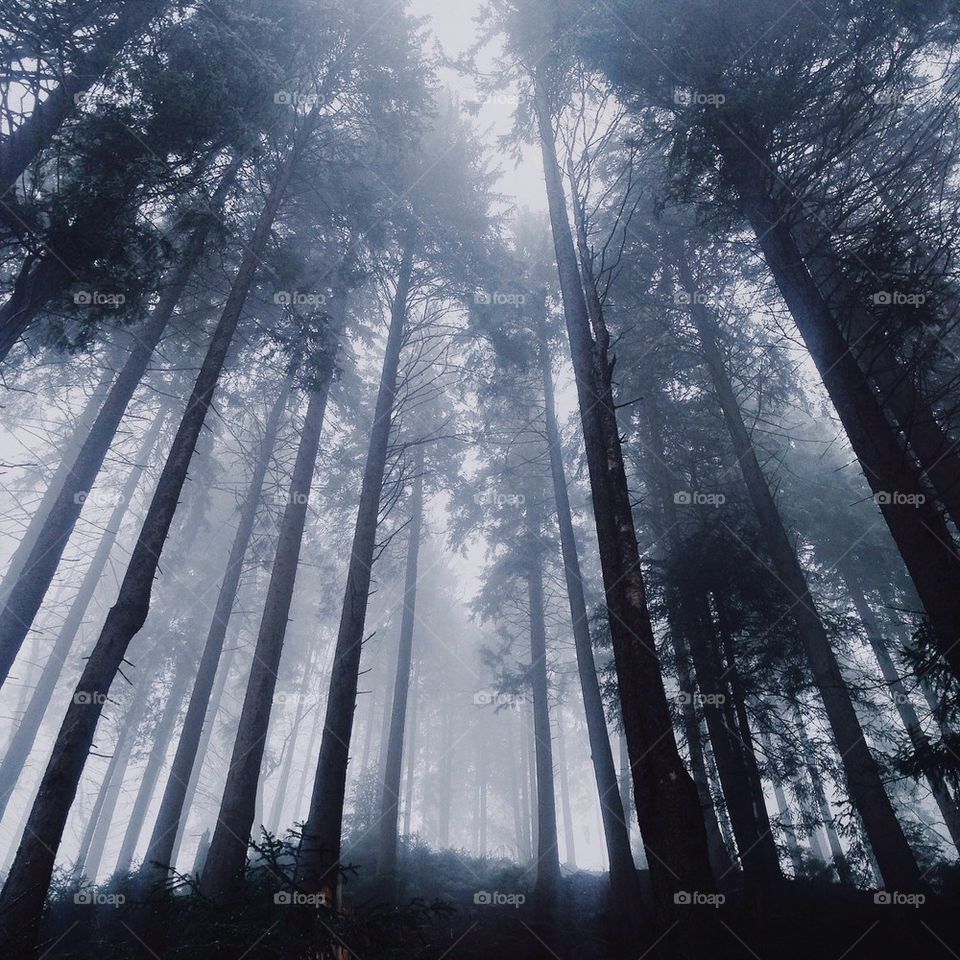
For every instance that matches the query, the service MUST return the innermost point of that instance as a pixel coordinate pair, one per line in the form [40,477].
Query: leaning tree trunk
[34,135]
[226,859]
[318,866]
[80,430]
[27,729]
[390,800]
[668,808]
[26,886]
[624,881]
[159,856]
[897,863]
[26,595]
[908,716]
[39,280]
[548,854]
[786,818]
[917,526]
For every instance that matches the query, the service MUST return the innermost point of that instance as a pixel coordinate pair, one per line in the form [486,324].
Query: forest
[479,478]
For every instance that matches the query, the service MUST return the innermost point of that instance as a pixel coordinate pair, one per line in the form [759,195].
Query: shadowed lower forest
[479,478]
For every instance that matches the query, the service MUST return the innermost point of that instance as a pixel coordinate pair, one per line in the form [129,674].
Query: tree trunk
[27,729]
[410,752]
[228,848]
[917,527]
[320,845]
[548,854]
[159,856]
[390,801]
[667,805]
[786,818]
[26,886]
[151,773]
[569,842]
[27,593]
[34,135]
[624,882]
[867,792]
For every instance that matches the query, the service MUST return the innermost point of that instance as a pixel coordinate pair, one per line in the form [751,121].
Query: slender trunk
[390,800]
[446,780]
[569,843]
[908,716]
[26,886]
[82,427]
[866,787]
[27,593]
[151,773]
[667,805]
[26,731]
[624,882]
[228,848]
[34,135]
[548,854]
[786,818]
[283,778]
[410,752]
[320,846]
[917,527]
[189,756]
[516,801]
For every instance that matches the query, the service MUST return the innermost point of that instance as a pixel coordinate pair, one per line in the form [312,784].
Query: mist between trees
[397,564]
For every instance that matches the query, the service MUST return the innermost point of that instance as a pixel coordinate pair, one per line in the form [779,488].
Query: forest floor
[467,908]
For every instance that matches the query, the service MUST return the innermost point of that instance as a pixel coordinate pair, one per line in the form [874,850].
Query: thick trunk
[228,848]
[159,856]
[390,800]
[866,787]
[908,715]
[27,729]
[548,854]
[25,889]
[320,846]
[667,805]
[917,527]
[26,595]
[624,882]
[34,135]
[38,282]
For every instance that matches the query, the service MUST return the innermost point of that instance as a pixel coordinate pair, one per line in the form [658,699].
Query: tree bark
[917,527]
[159,857]
[547,883]
[27,593]
[228,849]
[900,870]
[27,729]
[569,842]
[667,805]
[320,844]
[390,800]
[624,882]
[26,886]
